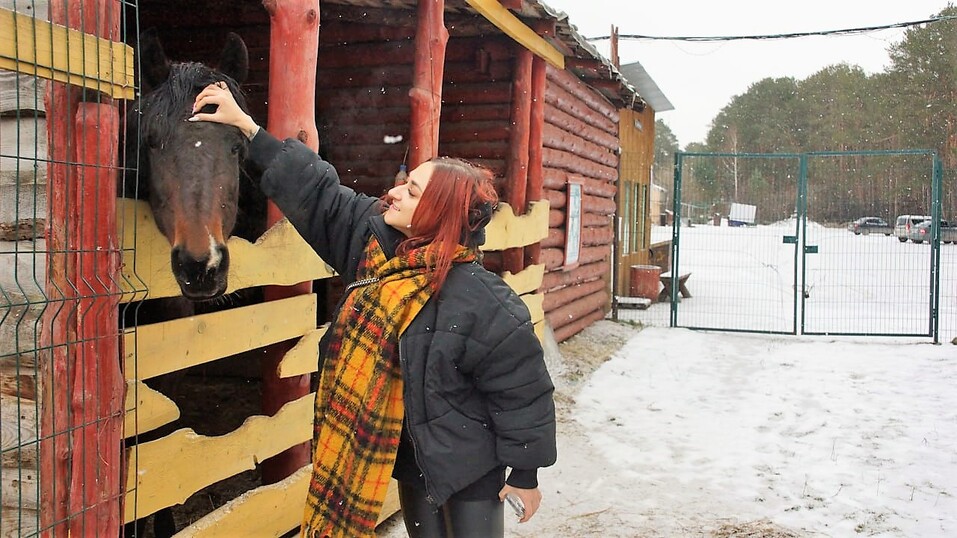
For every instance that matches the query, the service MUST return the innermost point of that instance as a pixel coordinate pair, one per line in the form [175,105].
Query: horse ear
[153,60]
[234,61]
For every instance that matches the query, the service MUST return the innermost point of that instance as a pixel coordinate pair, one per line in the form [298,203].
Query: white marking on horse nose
[198,143]
[214,255]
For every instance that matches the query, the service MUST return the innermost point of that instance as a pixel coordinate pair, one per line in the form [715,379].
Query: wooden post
[293,53]
[536,180]
[425,96]
[516,178]
[97,395]
[80,483]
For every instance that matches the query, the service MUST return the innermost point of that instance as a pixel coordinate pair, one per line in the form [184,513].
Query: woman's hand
[227,110]
[531,498]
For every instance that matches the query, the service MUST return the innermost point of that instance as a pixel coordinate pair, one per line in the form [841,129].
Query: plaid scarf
[359,410]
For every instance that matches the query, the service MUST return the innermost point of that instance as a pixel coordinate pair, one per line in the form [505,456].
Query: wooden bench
[667,281]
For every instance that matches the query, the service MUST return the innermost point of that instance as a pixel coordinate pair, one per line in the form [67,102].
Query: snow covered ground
[683,433]
[744,279]
[832,437]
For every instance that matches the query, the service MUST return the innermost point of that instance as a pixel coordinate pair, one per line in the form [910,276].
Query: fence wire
[810,244]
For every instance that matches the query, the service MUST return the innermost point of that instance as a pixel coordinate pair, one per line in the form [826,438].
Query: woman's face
[405,198]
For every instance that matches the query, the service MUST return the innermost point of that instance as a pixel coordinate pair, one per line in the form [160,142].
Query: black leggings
[454,519]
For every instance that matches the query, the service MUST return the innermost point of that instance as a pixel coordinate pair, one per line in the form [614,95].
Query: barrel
[644,281]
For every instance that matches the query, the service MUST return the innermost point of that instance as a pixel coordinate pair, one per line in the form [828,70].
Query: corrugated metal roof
[649,91]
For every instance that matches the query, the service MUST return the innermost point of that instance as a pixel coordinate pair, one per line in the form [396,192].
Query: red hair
[453,206]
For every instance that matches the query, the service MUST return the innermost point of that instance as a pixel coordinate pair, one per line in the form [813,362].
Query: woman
[431,371]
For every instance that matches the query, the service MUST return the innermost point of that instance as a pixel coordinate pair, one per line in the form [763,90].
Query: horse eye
[237,148]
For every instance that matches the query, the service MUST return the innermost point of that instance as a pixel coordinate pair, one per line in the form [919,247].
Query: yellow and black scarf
[359,408]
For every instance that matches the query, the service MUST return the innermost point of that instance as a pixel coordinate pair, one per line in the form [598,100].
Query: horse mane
[158,110]
[172,100]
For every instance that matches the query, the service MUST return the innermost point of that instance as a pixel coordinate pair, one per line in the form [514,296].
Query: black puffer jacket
[477,394]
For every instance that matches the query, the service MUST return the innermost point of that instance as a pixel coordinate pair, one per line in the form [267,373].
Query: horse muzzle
[201,278]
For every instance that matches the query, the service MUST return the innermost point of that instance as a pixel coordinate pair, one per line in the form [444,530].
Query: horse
[192,176]
[188,171]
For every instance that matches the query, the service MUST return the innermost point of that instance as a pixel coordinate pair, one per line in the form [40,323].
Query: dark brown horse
[189,171]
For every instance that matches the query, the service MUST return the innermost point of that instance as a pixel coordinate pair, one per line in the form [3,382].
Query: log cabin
[373,86]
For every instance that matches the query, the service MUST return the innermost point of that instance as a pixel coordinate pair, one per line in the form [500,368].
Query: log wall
[476,101]
[23,211]
[362,101]
[580,143]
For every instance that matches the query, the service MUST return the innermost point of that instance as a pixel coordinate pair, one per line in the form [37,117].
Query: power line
[846,31]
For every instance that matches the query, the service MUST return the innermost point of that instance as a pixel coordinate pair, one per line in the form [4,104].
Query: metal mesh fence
[61,390]
[821,243]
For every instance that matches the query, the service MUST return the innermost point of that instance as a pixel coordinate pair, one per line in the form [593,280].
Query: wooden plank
[167,471]
[243,516]
[146,409]
[303,358]
[18,91]
[18,377]
[534,303]
[507,230]
[18,422]
[161,348]
[526,281]
[19,489]
[23,154]
[517,30]
[22,524]
[27,456]
[280,256]
[55,52]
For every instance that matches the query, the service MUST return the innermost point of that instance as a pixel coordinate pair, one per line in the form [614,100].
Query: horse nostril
[201,276]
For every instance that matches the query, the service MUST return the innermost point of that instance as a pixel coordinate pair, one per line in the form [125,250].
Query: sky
[686,432]
[701,78]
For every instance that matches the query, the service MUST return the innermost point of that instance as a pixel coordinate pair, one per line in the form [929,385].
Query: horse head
[188,171]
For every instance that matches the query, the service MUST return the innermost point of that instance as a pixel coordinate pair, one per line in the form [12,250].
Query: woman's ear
[480,215]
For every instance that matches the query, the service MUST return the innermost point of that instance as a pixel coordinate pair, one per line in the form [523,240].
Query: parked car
[904,223]
[870,225]
[921,232]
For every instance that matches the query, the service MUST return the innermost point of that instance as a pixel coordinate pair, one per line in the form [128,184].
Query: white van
[904,223]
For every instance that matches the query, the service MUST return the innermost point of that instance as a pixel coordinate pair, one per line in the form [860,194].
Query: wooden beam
[243,516]
[39,48]
[431,39]
[603,84]
[98,388]
[508,231]
[167,471]
[534,191]
[585,63]
[161,348]
[527,281]
[280,256]
[516,179]
[147,409]
[517,30]
[302,359]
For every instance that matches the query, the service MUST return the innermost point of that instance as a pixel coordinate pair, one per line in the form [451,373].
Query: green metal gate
[793,243]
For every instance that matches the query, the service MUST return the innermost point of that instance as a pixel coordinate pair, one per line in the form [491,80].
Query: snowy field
[744,279]
[824,436]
